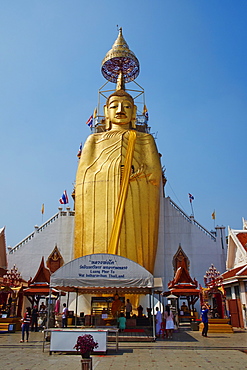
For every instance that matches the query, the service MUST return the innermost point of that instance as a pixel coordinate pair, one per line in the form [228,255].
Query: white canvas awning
[102,271]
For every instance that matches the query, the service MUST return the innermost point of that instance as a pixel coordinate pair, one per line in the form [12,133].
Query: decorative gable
[239,258]
[180,259]
[55,260]
[237,248]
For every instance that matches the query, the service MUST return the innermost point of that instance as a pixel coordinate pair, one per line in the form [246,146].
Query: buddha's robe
[96,196]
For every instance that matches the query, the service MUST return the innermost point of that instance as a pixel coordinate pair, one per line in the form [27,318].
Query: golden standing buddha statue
[119,176]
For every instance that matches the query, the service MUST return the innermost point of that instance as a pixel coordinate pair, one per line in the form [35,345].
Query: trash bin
[70,320]
[194,325]
[11,328]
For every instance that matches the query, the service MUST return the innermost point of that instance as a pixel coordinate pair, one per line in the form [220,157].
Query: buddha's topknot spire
[120,59]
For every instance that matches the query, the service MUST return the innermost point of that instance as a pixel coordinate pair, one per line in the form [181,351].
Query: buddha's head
[120,110]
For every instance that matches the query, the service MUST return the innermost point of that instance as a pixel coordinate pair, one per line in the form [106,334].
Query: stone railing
[39,229]
[192,220]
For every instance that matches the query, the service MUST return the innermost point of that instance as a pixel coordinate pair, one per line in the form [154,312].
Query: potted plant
[85,345]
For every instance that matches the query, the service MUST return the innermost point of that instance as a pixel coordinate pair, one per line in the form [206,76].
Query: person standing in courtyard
[128,309]
[204,316]
[64,316]
[158,320]
[168,316]
[122,322]
[35,315]
[116,306]
[26,321]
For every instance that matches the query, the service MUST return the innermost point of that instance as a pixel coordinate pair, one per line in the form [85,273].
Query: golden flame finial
[120,59]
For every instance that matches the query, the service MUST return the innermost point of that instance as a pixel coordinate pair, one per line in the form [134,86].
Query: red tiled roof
[242,237]
[43,274]
[185,291]
[233,272]
[41,290]
[182,279]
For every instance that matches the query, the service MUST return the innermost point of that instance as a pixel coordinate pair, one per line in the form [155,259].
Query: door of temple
[236,313]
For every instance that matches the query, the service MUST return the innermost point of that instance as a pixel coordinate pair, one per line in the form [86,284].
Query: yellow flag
[95,113]
[43,209]
[213,215]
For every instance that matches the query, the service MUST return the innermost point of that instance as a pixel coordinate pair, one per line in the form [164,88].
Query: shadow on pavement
[179,337]
[120,352]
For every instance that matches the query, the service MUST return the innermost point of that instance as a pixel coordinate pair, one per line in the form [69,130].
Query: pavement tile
[187,350]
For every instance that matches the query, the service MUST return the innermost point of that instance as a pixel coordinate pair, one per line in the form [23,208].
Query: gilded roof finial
[120,59]
[120,81]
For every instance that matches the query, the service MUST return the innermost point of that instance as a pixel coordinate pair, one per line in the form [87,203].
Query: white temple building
[178,231]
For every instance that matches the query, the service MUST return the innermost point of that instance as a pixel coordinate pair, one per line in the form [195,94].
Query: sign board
[102,270]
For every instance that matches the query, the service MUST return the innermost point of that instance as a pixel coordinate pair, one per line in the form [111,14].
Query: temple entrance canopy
[103,273]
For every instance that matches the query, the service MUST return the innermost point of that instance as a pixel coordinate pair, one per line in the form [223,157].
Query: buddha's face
[120,110]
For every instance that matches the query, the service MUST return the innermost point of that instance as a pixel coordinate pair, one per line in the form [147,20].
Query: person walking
[35,315]
[158,321]
[168,316]
[26,321]
[64,316]
[128,309]
[204,316]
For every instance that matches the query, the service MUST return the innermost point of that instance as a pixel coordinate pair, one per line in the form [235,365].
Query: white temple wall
[58,231]
[180,230]
[176,228]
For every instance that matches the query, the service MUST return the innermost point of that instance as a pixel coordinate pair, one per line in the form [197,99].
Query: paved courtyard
[188,349]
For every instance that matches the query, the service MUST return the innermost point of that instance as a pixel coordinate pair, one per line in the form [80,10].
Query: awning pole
[153,315]
[68,300]
[48,313]
[76,305]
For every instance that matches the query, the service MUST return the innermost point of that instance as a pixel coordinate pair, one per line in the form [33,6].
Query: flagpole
[192,208]
[191,198]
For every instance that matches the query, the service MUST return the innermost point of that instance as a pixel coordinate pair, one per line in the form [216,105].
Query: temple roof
[43,274]
[242,237]
[237,272]
[182,276]
[3,257]
[183,284]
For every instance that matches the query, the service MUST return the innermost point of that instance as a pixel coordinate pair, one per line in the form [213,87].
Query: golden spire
[120,81]
[120,59]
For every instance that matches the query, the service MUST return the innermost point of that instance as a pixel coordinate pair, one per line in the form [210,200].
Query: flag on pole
[213,215]
[79,151]
[191,197]
[64,198]
[90,121]
[43,209]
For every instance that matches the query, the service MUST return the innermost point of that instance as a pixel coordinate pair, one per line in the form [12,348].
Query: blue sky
[193,69]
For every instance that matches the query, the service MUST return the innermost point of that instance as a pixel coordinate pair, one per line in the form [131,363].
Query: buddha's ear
[107,121]
[133,120]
